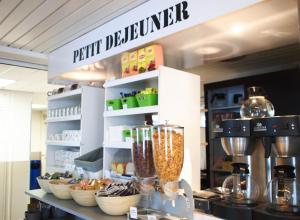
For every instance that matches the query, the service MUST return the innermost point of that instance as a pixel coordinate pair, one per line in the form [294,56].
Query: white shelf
[67,118]
[131,79]
[64,143]
[131,111]
[226,107]
[118,145]
[53,169]
[66,94]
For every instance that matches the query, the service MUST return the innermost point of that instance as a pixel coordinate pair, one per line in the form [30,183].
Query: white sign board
[148,22]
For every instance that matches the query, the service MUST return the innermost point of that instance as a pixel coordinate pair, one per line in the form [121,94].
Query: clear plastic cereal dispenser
[168,153]
[142,154]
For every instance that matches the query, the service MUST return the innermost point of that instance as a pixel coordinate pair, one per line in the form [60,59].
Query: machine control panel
[276,126]
[234,128]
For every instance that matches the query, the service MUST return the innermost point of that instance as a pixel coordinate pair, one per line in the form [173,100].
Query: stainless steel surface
[258,168]
[287,146]
[236,146]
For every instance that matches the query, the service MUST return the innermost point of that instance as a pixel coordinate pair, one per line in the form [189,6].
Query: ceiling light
[84,76]
[208,50]
[275,33]
[85,67]
[6,82]
[237,29]
[99,66]
[92,67]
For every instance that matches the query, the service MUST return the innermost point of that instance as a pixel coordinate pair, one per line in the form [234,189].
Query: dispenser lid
[167,125]
[145,125]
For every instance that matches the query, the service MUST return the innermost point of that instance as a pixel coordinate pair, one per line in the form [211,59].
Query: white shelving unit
[177,102]
[118,145]
[131,111]
[67,118]
[89,122]
[64,143]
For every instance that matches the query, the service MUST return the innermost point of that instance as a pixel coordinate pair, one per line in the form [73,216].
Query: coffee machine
[243,190]
[281,139]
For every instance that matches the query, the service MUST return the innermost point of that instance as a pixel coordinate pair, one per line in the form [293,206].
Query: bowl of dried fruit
[43,181]
[83,193]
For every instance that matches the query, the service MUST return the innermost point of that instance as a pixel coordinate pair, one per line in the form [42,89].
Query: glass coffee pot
[283,192]
[256,106]
[240,187]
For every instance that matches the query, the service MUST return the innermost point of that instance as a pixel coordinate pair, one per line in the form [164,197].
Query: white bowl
[61,191]
[44,184]
[118,205]
[84,197]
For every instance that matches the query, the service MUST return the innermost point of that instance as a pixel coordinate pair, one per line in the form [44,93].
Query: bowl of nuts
[61,188]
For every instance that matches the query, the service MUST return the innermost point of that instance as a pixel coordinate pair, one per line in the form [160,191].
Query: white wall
[36,131]
[15,122]
[38,136]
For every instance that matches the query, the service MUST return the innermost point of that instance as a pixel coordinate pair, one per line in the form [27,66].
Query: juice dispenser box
[125,64]
[142,66]
[133,62]
[154,57]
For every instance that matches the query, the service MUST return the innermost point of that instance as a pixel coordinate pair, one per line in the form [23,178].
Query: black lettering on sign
[75,55]
[156,22]
[109,42]
[134,31]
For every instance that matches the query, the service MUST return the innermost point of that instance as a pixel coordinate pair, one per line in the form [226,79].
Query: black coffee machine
[243,190]
[281,139]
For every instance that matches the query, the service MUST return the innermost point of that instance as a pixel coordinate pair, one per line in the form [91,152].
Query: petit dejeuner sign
[148,22]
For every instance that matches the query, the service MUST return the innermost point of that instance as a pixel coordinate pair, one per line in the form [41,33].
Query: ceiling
[45,25]
[27,79]
[31,28]
[266,25]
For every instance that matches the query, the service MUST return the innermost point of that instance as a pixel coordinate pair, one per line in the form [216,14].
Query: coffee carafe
[240,187]
[283,190]
[281,138]
[243,190]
